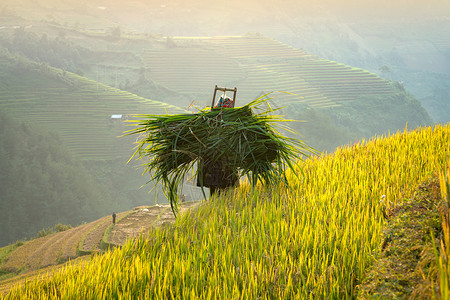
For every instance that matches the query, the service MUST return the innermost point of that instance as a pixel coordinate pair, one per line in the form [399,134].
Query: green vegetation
[58,228]
[314,240]
[57,52]
[442,249]
[4,251]
[406,266]
[41,183]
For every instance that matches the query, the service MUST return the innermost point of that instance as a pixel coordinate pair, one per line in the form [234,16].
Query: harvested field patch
[143,220]
[48,250]
[94,237]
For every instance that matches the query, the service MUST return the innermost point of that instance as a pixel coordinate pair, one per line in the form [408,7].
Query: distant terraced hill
[186,69]
[257,64]
[79,109]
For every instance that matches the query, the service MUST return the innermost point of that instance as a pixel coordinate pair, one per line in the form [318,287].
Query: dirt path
[143,220]
[93,239]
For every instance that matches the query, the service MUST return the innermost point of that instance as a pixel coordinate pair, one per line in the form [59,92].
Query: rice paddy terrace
[79,109]
[257,64]
[93,237]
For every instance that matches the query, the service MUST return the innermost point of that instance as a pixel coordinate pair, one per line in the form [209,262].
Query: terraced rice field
[191,70]
[78,109]
[258,65]
[41,256]
[62,246]
[93,239]
[49,250]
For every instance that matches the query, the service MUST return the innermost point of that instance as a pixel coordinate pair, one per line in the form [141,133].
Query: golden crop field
[312,240]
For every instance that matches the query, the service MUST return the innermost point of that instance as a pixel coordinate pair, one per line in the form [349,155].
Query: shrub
[61,227]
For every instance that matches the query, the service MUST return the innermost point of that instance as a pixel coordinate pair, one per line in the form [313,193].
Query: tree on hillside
[57,52]
[385,69]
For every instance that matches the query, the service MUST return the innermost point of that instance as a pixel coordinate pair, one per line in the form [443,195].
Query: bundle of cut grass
[236,138]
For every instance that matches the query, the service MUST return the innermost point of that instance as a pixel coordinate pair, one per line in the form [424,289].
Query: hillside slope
[41,183]
[314,239]
[79,109]
[257,64]
[406,260]
[87,239]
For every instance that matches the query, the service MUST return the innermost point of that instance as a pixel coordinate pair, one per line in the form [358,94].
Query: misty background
[67,66]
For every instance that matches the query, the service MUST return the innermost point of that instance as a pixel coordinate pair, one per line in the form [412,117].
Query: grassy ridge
[310,241]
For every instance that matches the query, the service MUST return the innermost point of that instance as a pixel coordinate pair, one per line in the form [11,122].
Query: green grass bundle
[236,137]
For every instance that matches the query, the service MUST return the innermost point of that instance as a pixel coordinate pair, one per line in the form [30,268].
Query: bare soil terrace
[142,221]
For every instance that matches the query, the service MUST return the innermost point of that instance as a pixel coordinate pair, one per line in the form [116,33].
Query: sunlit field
[313,239]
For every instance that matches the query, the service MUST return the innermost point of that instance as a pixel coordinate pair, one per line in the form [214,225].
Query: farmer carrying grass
[215,174]
[219,144]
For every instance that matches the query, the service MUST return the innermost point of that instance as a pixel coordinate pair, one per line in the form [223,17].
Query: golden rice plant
[310,241]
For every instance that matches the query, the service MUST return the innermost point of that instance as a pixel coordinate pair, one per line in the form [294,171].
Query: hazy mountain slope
[41,183]
[411,38]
